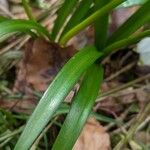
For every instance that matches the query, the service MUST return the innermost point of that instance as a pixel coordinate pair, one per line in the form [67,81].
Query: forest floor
[27,67]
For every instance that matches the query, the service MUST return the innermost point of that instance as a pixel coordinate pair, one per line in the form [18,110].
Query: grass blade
[104,118]
[78,15]
[92,18]
[101,25]
[28,10]
[64,109]
[63,13]
[125,42]
[80,109]
[17,25]
[55,94]
[138,19]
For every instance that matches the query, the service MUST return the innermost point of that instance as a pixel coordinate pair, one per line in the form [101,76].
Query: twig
[120,119]
[147,120]
[124,69]
[5,142]
[7,12]
[125,126]
[11,45]
[124,86]
[125,92]
[11,134]
[133,129]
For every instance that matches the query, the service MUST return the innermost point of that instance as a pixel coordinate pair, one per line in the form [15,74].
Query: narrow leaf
[55,94]
[139,18]
[12,26]
[101,25]
[79,13]
[91,19]
[28,10]
[80,109]
[63,13]
[64,109]
[125,42]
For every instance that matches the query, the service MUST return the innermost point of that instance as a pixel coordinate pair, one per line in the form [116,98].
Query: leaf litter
[41,62]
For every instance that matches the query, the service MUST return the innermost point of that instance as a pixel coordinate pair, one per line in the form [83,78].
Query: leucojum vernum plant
[85,63]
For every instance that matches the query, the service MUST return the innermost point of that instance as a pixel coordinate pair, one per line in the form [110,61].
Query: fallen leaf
[41,62]
[93,137]
[120,15]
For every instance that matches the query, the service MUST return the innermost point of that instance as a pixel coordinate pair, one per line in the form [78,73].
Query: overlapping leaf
[11,26]
[138,19]
[55,94]
[80,109]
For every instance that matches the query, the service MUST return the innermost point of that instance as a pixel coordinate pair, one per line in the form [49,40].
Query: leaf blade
[78,15]
[92,18]
[55,94]
[63,13]
[17,25]
[80,109]
[139,18]
[101,25]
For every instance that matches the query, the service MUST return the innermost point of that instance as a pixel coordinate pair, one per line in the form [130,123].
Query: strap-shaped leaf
[80,109]
[64,109]
[125,42]
[11,26]
[28,10]
[139,18]
[78,15]
[55,94]
[91,19]
[101,25]
[63,13]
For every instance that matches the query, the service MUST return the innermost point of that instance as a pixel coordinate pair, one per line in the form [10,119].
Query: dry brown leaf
[119,16]
[110,105]
[93,137]
[42,60]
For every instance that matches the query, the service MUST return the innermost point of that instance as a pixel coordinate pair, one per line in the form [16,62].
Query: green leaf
[139,18]
[125,42]
[64,109]
[101,25]
[91,19]
[55,94]
[2,18]
[63,13]
[28,10]
[77,16]
[17,25]
[103,118]
[80,109]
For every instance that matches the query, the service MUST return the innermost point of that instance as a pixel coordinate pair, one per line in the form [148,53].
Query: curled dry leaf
[42,60]
[93,137]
